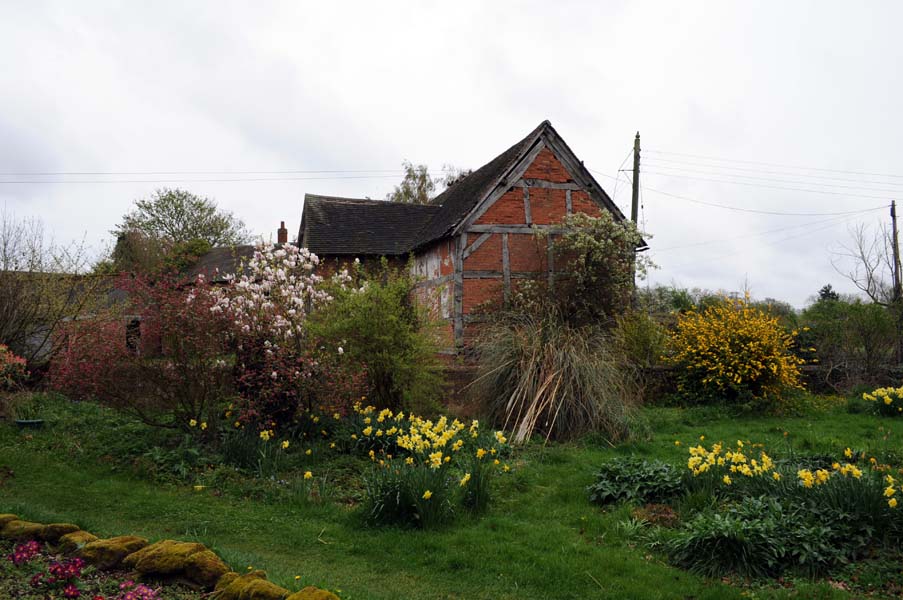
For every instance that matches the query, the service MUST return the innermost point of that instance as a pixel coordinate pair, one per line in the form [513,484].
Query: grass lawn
[540,539]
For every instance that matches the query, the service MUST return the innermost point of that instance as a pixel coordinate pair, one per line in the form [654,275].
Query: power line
[754,234]
[772,243]
[217,180]
[755,211]
[656,164]
[782,187]
[770,164]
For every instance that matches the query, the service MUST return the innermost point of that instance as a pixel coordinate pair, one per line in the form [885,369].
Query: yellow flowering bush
[887,401]
[733,351]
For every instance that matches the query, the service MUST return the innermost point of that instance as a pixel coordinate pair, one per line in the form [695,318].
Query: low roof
[332,225]
[220,261]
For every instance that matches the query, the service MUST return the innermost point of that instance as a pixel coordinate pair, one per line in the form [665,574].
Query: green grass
[540,538]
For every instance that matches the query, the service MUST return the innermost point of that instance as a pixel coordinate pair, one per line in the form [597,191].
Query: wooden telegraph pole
[635,205]
[898,288]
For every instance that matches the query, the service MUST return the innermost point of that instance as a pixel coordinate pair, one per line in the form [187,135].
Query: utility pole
[635,204]
[897,285]
[898,288]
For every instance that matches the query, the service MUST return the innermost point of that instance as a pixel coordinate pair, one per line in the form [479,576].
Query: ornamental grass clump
[733,352]
[540,375]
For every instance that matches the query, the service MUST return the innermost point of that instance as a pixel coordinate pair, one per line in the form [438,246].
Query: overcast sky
[146,87]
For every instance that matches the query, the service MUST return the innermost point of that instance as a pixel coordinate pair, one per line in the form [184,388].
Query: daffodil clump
[733,351]
[747,463]
[887,401]
[730,465]
[423,468]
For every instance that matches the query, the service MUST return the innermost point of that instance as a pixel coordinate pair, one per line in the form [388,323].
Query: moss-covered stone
[186,560]
[313,593]
[225,580]
[6,518]
[205,568]
[72,542]
[250,586]
[54,531]
[108,554]
[21,530]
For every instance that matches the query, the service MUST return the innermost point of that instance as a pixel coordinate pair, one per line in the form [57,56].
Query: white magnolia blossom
[273,293]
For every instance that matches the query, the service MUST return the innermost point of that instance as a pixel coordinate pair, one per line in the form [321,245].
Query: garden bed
[540,537]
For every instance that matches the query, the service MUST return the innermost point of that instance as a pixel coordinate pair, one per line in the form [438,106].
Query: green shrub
[745,540]
[540,375]
[379,326]
[635,480]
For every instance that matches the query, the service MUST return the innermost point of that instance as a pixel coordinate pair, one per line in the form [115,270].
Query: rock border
[167,560]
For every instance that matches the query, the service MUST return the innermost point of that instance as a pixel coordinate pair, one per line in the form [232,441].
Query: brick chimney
[282,233]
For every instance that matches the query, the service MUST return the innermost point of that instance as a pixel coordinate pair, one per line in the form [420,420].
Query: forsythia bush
[735,352]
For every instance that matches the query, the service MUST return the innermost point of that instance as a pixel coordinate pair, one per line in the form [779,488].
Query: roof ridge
[457,201]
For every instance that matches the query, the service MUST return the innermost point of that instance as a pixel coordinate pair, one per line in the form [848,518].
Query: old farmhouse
[477,238]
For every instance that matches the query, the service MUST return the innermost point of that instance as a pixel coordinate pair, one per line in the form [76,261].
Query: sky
[779,107]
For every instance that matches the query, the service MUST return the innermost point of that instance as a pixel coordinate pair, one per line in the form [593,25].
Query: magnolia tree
[279,369]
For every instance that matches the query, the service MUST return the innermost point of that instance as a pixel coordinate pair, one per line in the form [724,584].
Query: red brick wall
[547,206]
[488,257]
[480,291]
[526,253]
[581,202]
[546,167]
[509,209]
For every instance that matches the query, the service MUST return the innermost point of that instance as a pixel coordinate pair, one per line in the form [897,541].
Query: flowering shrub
[888,402]
[732,351]
[279,370]
[422,469]
[167,372]
[12,370]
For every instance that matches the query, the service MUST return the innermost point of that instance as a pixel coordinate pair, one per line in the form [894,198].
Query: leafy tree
[173,216]
[419,187]
[852,338]
[827,293]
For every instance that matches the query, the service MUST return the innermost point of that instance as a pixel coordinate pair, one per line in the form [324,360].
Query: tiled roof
[351,226]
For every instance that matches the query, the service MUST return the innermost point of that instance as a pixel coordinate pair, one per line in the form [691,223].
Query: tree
[419,187]
[827,293]
[868,262]
[172,216]
[42,284]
